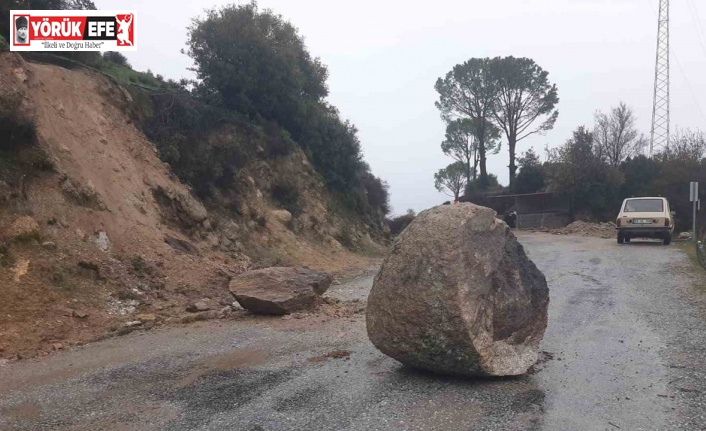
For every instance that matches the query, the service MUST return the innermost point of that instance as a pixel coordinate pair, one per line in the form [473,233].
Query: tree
[461,145]
[530,179]
[451,179]
[256,63]
[524,96]
[468,92]
[576,171]
[685,146]
[616,135]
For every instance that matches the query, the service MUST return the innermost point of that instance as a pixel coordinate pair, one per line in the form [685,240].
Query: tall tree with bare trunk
[525,101]
[467,91]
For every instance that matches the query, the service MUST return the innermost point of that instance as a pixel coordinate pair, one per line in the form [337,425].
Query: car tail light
[618,222]
[666,222]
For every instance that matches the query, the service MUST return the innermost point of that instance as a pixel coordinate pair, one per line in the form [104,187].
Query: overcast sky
[384,57]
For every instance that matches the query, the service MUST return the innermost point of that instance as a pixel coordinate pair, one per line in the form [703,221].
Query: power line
[695,19]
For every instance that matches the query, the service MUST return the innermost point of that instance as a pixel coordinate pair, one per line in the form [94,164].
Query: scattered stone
[4,362]
[279,290]
[80,314]
[102,241]
[132,324]
[198,307]
[48,245]
[20,269]
[282,216]
[685,236]
[57,346]
[458,295]
[24,229]
[225,311]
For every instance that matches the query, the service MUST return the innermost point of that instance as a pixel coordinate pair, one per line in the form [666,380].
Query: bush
[287,196]
[116,58]
[398,224]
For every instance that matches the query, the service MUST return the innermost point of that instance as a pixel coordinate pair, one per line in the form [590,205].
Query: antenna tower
[659,137]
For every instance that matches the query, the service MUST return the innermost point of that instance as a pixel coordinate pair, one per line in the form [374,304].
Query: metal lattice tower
[659,137]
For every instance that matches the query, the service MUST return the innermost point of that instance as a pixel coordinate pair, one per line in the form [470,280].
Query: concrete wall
[544,220]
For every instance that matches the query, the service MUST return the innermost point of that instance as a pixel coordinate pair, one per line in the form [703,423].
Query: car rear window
[644,206]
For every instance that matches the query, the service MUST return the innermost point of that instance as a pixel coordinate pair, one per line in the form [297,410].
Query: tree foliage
[525,102]
[255,62]
[461,144]
[452,179]
[531,177]
[616,135]
[468,91]
[575,170]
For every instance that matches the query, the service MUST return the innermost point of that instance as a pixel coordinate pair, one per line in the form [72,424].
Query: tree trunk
[483,169]
[512,142]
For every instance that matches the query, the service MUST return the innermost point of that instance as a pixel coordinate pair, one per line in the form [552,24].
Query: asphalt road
[625,349]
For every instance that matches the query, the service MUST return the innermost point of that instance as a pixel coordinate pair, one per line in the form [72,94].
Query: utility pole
[659,136]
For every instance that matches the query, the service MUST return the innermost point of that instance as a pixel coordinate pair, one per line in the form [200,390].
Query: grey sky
[384,57]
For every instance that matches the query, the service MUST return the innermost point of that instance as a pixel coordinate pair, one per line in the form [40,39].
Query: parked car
[645,218]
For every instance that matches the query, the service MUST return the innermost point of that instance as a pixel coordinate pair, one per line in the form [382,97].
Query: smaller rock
[48,245]
[132,324]
[80,314]
[282,216]
[146,317]
[102,241]
[685,236]
[225,311]
[57,346]
[4,362]
[198,307]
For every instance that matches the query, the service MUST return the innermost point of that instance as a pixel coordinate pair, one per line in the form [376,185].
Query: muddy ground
[624,349]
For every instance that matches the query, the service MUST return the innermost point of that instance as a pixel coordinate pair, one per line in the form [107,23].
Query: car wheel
[668,239]
[627,239]
[621,238]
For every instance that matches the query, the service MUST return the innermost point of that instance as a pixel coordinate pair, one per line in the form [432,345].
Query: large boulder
[458,295]
[279,290]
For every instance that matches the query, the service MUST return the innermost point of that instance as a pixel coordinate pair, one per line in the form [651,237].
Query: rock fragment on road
[279,290]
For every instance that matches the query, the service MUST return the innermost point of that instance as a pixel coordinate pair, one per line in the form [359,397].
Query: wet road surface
[625,349]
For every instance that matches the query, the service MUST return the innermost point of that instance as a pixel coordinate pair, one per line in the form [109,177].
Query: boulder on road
[279,290]
[458,295]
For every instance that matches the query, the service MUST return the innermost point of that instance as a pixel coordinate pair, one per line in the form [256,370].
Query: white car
[645,218]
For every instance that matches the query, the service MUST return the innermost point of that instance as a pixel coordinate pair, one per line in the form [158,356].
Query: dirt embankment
[111,237]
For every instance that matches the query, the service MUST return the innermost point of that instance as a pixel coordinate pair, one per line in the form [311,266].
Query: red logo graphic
[125,29]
